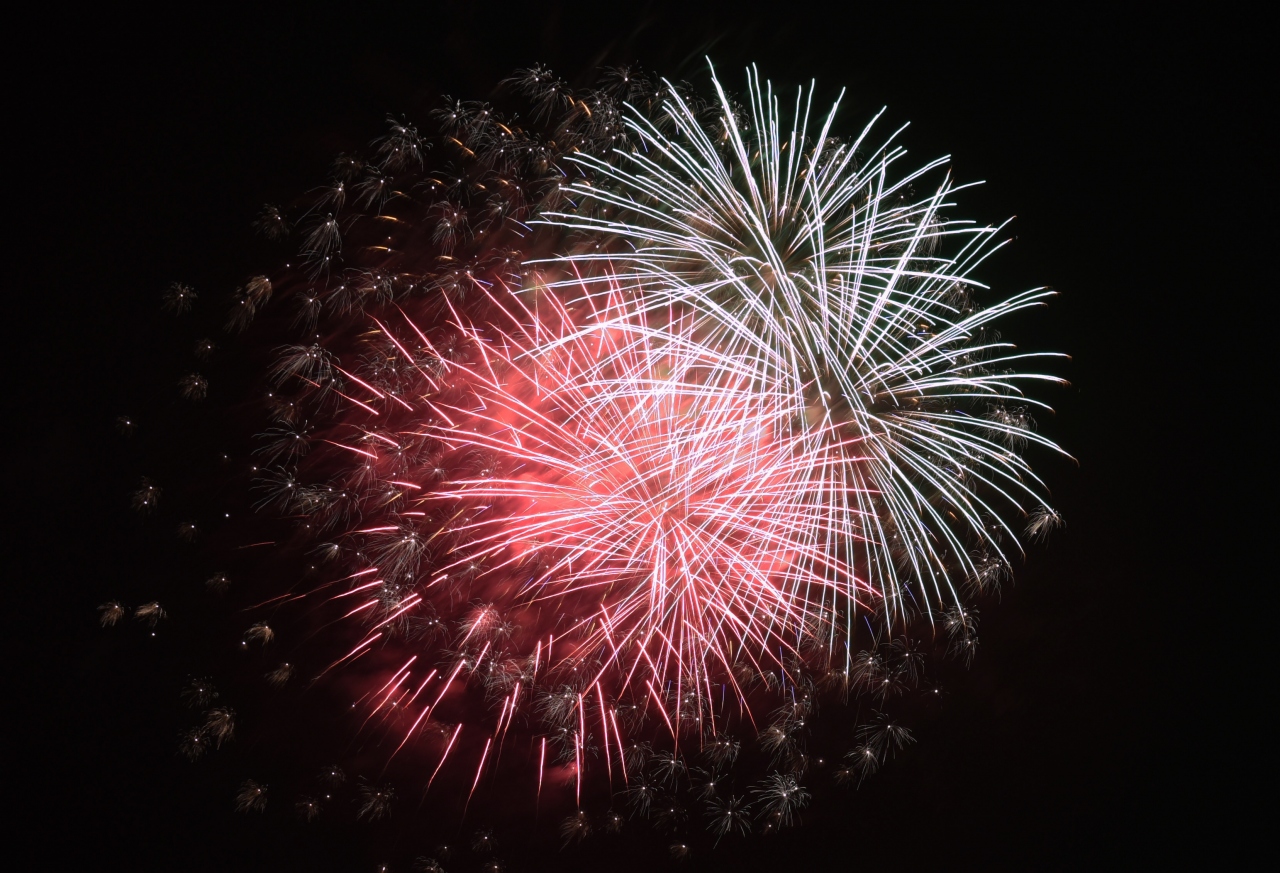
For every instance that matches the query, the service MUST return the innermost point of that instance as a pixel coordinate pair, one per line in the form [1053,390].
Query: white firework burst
[813,262]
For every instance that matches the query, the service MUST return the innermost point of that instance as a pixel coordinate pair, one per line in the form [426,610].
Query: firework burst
[811,262]
[615,441]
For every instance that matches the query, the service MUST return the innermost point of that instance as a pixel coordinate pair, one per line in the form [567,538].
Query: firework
[179,298]
[805,258]
[150,614]
[252,797]
[614,442]
[110,613]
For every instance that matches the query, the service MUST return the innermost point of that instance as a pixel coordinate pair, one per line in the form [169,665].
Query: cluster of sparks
[623,431]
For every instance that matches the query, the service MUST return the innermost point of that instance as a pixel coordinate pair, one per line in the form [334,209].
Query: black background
[1090,732]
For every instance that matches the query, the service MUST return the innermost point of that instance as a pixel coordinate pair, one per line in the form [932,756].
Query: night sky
[1086,735]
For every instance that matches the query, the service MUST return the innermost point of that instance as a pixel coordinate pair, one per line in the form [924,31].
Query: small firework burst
[194,744]
[308,808]
[575,828]
[272,224]
[219,725]
[150,614]
[147,496]
[193,387]
[110,613]
[780,798]
[199,693]
[374,801]
[281,674]
[259,633]
[179,298]
[252,797]
[729,815]
[1041,522]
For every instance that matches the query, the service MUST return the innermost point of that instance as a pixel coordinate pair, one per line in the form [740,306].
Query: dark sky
[1082,737]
